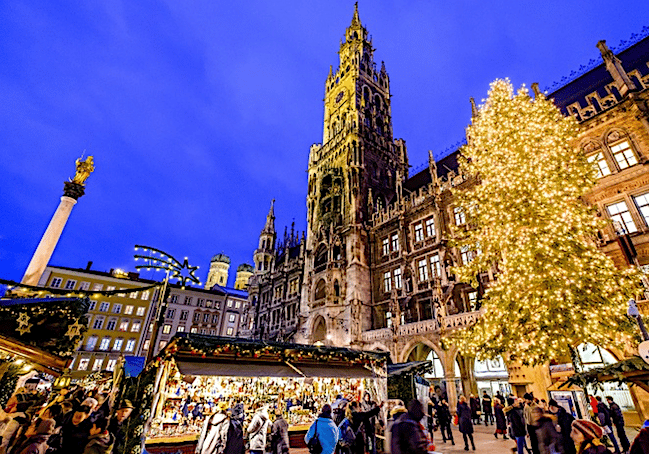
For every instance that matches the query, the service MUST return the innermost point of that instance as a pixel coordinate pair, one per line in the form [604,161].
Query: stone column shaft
[48,242]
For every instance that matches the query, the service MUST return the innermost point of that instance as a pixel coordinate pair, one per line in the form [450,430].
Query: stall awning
[271,369]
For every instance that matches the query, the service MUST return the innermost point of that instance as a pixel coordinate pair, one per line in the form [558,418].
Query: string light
[528,224]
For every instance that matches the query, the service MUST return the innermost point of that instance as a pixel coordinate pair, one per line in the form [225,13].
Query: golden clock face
[340,95]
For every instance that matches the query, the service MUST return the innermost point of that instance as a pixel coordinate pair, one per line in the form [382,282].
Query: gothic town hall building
[372,269]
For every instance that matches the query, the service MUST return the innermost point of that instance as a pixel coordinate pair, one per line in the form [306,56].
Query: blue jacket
[327,432]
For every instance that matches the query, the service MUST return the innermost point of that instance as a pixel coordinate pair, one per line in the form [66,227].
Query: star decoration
[22,329]
[23,319]
[184,276]
[159,260]
[74,330]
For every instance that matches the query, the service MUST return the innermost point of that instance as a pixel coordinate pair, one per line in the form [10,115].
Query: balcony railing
[424,327]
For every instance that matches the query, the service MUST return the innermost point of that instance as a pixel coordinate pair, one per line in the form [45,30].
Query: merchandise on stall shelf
[189,400]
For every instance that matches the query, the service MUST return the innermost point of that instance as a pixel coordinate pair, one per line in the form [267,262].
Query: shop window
[419,232]
[624,155]
[387,282]
[56,282]
[621,217]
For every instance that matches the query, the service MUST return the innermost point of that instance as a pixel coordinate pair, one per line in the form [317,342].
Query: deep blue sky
[199,112]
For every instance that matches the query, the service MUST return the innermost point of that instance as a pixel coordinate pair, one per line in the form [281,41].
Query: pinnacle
[356,19]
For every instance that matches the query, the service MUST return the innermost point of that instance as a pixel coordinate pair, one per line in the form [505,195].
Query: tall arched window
[320,290]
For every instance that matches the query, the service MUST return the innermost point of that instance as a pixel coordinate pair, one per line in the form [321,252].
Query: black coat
[616,414]
[486,404]
[564,420]
[474,402]
[517,421]
[358,418]
[548,438]
[443,414]
[407,437]
[501,422]
[603,414]
[74,438]
[464,418]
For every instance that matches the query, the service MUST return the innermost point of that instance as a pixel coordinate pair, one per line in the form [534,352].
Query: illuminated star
[23,319]
[185,273]
[22,329]
[74,329]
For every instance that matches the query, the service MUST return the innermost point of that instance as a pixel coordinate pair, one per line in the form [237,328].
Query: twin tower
[358,168]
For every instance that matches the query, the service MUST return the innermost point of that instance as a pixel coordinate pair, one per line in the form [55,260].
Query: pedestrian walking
[501,421]
[369,426]
[279,443]
[617,418]
[587,436]
[530,422]
[474,404]
[407,434]
[443,414]
[464,423]
[516,419]
[326,431]
[604,418]
[564,421]
[258,430]
[487,409]
[546,433]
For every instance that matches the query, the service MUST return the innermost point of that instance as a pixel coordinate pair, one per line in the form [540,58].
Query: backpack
[314,445]
[347,434]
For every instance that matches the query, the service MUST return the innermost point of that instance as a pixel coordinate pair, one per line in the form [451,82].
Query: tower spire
[270,218]
[356,19]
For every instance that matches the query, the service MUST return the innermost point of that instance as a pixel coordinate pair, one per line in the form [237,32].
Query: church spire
[356,21]
[270,218]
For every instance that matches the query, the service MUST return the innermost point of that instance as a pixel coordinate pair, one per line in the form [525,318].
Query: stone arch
[413,344]
[380,347]
[320,290]
[319,331]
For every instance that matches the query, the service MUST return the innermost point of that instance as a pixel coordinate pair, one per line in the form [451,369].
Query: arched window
[621,149]
[320,257]
[438,370]
[595,155]
[320,290]
[336,288]
[377,102]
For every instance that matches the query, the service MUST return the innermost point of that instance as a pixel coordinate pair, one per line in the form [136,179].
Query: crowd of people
[71,421]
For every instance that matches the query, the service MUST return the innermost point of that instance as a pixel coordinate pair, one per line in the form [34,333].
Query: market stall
[195,373]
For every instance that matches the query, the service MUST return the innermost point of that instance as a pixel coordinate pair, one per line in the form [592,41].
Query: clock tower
[352,173]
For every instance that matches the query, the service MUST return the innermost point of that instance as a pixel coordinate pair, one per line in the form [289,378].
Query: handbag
[456,420]
[314,446]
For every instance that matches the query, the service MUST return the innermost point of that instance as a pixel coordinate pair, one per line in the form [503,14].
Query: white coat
[214,435]
[257,430]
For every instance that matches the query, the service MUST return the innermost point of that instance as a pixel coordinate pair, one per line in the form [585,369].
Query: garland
[618,372]
[55,291]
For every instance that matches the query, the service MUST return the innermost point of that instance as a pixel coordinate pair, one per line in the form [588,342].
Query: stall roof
[631,370]
[197,354]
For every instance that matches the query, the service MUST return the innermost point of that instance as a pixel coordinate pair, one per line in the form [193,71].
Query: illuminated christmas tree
[527,223]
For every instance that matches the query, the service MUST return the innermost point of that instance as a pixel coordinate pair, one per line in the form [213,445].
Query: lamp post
[161,261]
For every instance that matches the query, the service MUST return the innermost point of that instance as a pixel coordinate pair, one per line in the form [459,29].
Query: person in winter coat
[326,430]
[258,430]
[641,442]
[474,404]
[116,426]
[37,435]
[501,421]
[75,431]
[368,404]
[587,436]
[604,418]
[618,421]
[100,440]
[214,433]
[464,423]
[407,434]
[444,421]
[530,422]
[235,443]
[357,417]
[546,433]
[564,421]
[516,419]
[279,434]
[17,418]
[487,409]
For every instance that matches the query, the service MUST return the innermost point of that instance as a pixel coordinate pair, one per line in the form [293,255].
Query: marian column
[72,190]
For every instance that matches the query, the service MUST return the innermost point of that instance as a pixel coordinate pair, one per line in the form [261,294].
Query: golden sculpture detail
[84,169]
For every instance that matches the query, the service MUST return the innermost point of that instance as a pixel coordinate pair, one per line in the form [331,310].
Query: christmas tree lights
[526,222]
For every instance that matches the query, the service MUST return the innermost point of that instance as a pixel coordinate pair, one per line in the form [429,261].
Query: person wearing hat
[100,440]
[214,434]
[37,435]
[116,426]
[640,444]
[587,436]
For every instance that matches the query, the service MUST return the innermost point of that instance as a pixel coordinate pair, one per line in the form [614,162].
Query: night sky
[198,113]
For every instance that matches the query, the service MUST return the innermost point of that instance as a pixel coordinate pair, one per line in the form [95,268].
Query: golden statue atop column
[84,169]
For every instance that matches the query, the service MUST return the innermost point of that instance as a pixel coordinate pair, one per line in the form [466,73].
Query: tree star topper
[160,260]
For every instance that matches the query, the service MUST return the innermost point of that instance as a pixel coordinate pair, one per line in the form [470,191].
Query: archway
[319,330]
[491,375]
